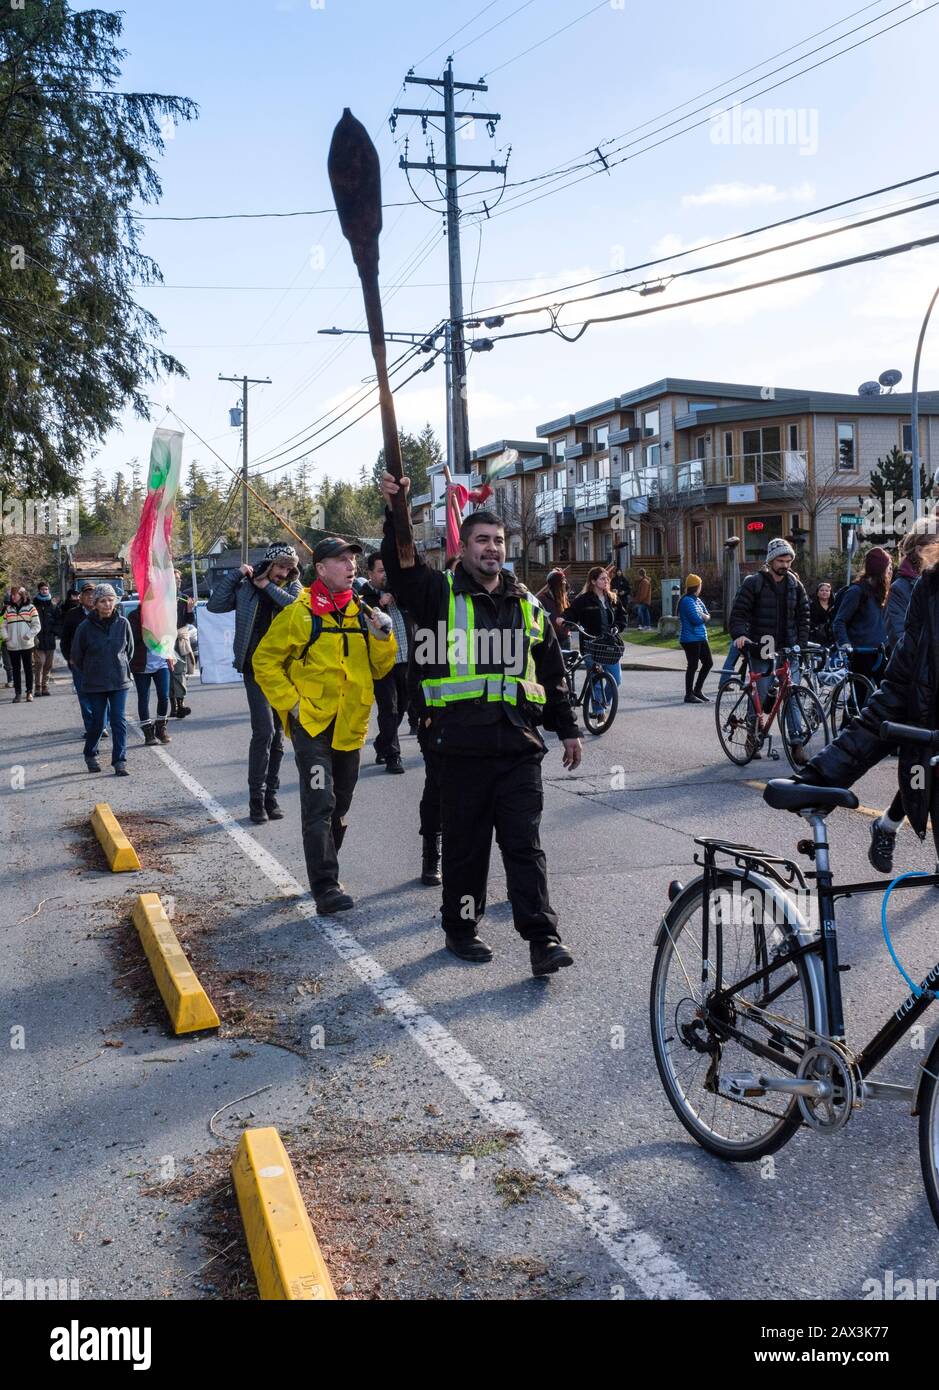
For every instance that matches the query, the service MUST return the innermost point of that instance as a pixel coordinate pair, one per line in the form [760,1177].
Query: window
[793,431]
[847,453]
[653,453]
[758,531]
[544,482]
[762,461]
[650,423]
[906,435]
[603,468]
[702,542]
[729,456]
[629,460]
[586,545]
[700,446]
[601,436]
[559,449]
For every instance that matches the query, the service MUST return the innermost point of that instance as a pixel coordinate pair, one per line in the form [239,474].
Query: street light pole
[914,409]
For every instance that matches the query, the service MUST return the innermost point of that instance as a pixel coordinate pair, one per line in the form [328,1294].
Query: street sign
[851,519]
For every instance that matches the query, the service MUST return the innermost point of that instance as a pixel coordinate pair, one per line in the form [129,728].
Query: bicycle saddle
[785,795]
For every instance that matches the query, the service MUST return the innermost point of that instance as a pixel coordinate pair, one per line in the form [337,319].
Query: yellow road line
[287,1260]
[121,855]
[187,1003]
[861,810]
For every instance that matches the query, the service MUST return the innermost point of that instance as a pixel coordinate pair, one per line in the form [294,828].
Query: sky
[645,83]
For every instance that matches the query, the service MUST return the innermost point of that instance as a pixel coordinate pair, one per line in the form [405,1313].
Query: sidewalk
[642,658]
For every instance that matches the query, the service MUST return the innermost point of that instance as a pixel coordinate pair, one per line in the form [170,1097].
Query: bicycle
[743,726]
[746,985]
[843,693]
[599,696]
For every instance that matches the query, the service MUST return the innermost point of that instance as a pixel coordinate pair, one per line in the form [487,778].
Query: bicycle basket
[606,650]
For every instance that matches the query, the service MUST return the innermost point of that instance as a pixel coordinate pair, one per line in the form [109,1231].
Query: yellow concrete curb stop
[187,1003]
[121,855]
[288,1263]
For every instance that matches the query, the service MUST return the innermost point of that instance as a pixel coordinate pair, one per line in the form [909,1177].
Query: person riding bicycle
[908,694]
[858,626]
[770,613]
[595,608]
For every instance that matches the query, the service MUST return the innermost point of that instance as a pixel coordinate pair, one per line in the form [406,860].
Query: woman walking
[821,612]
[693,640]
[555,600]
[643,599]
[859,626]
[102,651]
[21,627]
[147,668]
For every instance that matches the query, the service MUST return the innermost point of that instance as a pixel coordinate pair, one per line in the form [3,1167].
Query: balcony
[630,434]
[554,508]
[580,451]
[777,474]
[593,499]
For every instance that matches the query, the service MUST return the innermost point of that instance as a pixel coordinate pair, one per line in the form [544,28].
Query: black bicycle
[746,1010]
[598,697]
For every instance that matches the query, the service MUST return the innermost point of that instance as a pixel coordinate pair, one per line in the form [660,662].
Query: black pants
[391,694]
[266,750]
[479,796]
[22,663]
[870,664]
[327,783]
[430,796]
[696,653]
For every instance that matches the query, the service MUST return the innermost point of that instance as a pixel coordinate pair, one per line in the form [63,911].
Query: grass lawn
[719,640]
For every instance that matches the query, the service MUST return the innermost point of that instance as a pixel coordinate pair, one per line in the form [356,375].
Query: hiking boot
[394,765]
[29,699]
[882,846]
[272,807]
[469,948]
[182,710]
[430,860]
[120,770]
[159,730]
[334,900]
[149,737]
[548,956]
[256,810]
[380,759]
[92,765]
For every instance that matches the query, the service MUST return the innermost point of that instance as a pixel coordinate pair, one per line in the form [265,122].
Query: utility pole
[186,509]
[246,381]
[459,460]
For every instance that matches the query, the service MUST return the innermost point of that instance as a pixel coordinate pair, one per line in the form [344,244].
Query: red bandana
[322,600]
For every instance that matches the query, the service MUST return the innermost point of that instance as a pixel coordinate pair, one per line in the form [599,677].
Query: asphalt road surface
[460,1131]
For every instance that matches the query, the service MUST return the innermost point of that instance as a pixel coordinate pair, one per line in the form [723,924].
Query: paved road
[440,1085]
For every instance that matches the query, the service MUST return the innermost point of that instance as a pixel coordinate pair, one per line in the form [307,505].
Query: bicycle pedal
[738,1084]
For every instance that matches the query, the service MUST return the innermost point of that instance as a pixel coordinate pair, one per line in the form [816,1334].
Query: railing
[592,494]
[782,466]
[547,506]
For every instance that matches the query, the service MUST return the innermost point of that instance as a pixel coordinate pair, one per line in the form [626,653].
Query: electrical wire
[604,5]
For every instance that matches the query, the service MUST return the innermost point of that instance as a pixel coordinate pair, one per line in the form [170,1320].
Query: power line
[881,254]
[706,246]
[604,5]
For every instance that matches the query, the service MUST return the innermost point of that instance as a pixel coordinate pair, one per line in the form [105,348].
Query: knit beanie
[280,550]
[877,560]
[693,581]
[779,547]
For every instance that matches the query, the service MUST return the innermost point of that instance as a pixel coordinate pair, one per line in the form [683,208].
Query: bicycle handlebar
[909,733]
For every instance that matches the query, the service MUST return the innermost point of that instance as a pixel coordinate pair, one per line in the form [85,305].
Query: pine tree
[891,484]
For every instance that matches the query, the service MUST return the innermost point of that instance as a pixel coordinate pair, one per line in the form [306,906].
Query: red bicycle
[744,725]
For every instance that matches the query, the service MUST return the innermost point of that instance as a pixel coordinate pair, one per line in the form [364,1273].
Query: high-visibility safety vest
[463,682]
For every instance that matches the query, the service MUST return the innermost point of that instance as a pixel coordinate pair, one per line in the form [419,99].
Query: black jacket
[102,651]
[753,613]
[474,727]
[908,694]
[587,610]
[70,626]
[820,623]
[45,642]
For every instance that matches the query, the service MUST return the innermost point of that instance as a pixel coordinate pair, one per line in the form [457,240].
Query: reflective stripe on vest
[463,682]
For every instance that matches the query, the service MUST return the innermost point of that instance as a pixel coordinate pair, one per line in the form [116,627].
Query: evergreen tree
[891,484]
[418,453]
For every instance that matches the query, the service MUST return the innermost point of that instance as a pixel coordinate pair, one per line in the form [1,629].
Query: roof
[813,403]
[668,386]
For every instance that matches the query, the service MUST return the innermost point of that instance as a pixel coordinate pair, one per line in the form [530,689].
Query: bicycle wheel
[847,700]
[736,721]
[929,1130]
[600,701]
[802,726]
[689,1027]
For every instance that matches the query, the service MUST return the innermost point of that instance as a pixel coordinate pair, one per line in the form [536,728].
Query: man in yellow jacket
[317,664]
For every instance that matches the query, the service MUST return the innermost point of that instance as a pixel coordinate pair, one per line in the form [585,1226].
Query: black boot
[548,956]
[430,860]
[149,737]
[160,731]
[256,810]
[470,948]
[271,807]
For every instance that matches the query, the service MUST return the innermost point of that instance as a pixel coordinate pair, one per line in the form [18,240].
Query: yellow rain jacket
[336,678]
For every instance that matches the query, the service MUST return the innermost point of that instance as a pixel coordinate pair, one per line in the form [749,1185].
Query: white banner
[216,647]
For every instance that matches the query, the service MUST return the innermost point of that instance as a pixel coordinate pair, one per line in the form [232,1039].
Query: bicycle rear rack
[749,858]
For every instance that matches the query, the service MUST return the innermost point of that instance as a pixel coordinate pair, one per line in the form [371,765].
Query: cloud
[746,194]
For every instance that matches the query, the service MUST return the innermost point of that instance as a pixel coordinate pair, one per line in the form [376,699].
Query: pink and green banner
[151,551]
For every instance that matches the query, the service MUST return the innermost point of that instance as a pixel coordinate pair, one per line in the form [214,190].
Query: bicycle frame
[764,721]
[818,948]
[591,669]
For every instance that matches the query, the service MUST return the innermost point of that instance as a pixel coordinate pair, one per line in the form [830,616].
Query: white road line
[654,1273]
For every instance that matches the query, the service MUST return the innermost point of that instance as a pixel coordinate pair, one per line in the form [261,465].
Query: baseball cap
[331,546]
[85,584]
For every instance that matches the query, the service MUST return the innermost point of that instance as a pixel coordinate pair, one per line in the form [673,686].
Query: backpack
[316,628]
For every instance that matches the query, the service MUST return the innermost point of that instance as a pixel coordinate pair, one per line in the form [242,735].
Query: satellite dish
[869,388]
[890,378]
